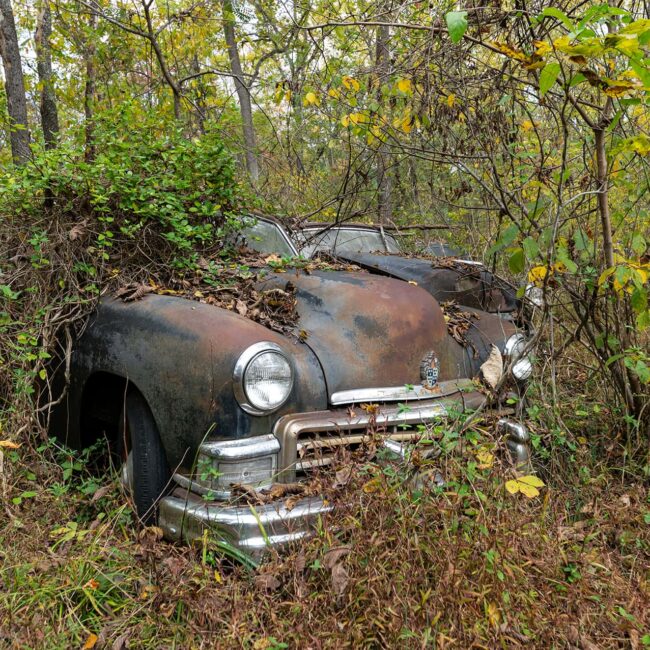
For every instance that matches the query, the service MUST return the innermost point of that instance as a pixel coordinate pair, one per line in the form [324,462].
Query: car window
[267,238]
[347,240]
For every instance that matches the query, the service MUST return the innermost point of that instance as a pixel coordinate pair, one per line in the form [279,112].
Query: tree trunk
[243,92]
[89,92]
[14,85]
[49,113]
[384,179]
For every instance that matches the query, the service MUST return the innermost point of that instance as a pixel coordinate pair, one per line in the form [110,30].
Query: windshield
[266,237]
[347,240]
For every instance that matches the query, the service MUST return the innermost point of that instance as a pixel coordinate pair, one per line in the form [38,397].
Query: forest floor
[467,565]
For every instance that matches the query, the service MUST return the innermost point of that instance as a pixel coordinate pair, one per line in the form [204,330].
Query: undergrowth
[401,563]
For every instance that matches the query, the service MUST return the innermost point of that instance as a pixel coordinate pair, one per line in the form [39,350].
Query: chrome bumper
[252,529]
[185,515]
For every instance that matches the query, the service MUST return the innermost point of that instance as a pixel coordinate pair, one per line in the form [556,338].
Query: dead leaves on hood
[134,291]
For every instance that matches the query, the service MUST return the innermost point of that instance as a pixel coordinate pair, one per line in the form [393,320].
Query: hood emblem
[429,370]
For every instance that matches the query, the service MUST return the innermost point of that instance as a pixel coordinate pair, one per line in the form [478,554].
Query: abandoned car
[202,400]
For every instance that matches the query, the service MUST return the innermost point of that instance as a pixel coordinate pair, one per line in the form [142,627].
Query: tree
[49,112]
[14,84]
[243,91]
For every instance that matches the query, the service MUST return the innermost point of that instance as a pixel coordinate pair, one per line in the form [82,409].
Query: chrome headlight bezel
[239,377]
[520,362]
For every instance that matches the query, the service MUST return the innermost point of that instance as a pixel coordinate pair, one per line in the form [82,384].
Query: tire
[140,440]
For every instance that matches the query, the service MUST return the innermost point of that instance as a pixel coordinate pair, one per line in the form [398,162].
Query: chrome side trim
[399,393]
[242,448]
[183,518]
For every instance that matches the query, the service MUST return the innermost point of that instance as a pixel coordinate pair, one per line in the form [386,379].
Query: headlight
[534,295]
[522,366]
[263,378]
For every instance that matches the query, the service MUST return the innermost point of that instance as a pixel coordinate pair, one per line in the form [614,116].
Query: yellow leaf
[8,444]
[485,459]
[217,577]
[405,86]
[493,615]
[413,282]
[510,51]
[311,99]
[351,83]
[332,92]
[527,485]
[529,491]
[372,485]
[531,480]
[542,48]
[537,274]
[345,121]
[527,125]
[512,486]
[604,275]
[90,642]
[451,100]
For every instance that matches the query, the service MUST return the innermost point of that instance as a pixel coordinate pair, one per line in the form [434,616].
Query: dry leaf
[485,459]
[78,231]
[266,582]
[9,444]
[340,579]
[121,642]
[90,642]
[334,556]
[492,369]
[99,494]
[241,307]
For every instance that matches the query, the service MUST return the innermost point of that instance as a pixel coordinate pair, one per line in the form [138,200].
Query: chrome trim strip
[247,527]
[399,393]
[242,448]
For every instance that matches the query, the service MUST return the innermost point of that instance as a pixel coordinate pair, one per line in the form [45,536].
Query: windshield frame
[308,234]
[270,222]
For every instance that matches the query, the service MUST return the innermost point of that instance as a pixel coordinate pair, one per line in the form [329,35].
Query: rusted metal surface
[180,355]
[470,285]
[370,331]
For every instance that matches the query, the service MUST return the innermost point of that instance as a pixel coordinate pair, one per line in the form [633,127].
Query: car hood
[370,331]
[466,283]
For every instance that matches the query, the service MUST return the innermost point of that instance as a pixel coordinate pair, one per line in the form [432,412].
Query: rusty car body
[442,272]
[210,400]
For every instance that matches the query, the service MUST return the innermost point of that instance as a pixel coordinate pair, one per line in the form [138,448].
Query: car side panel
[180,354]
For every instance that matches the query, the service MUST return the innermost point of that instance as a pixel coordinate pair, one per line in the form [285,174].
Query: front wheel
[145,470]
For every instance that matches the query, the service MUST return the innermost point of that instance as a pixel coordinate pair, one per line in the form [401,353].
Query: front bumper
[183,517]
[308,440]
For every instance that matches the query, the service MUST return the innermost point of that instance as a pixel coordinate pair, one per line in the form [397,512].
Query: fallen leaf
[527,485]
[492,369]
[101,493]
[340,579]
[90,642]
[334,556]
[266,582]
[9,444]
[485,459]
[241,307]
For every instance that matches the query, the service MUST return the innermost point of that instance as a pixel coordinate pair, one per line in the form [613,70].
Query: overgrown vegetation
[519,130]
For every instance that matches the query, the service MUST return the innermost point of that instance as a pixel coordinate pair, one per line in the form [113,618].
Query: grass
[400,564]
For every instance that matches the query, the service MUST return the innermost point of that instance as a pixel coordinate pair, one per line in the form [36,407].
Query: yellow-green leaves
[548,77]
[351,84]
[311,99]
[456,24]
[405,86]
[526,485]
